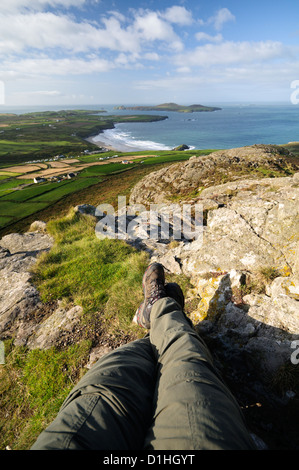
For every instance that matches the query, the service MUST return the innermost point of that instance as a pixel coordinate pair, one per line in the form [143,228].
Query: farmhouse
[39,180]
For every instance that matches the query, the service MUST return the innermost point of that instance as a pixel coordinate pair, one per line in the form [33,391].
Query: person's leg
[194,409]
[111,407]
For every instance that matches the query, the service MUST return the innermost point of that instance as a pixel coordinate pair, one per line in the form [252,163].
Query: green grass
[33,385]
[20,210]
[4,220]
[165,158]
[83,269]
[31,192]
[100,275]
[16,205]
[64,188]
[103,169]
[11,184]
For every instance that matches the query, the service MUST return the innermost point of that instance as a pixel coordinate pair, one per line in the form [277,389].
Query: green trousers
[158,393]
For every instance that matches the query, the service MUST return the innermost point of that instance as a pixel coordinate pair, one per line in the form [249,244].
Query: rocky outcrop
[19,300]
[181,148]
[197,173]
[23,316]
[244,268]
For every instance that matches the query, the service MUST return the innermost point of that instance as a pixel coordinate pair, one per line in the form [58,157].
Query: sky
[72,52]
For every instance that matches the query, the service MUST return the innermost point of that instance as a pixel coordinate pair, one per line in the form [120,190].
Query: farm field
[23,203]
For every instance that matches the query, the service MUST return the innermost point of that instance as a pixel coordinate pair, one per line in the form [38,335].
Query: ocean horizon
[236,125]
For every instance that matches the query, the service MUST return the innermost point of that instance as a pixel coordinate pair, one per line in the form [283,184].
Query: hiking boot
[153,284]
[174,291]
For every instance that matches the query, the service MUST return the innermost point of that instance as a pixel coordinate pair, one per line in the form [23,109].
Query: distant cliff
[194,108]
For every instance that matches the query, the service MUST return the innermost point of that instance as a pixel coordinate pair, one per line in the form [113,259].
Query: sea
[235,125]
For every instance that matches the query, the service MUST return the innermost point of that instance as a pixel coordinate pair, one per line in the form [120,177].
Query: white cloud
[228,53]
[115,37]
[39,67]
[41,31]
[184,70]
[45,30]
[39,93]
[207,37]
[151,27]
[178,15]
[222,16]
[151,56]
[8,6]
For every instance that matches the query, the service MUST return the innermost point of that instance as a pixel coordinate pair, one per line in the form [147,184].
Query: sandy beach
[99,144]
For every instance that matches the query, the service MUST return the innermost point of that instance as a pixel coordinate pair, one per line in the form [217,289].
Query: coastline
[99,144]
[117,141]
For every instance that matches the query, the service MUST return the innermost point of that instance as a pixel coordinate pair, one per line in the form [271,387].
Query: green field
[18,211]
[11,184]
[31,192]
[65,189]
[107,169]
[21,203]
[5,220]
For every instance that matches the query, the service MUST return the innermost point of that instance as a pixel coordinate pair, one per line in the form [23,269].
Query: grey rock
[96,354]
[38,226]
[26,243]
[18,298]
[49,332]
[86,209]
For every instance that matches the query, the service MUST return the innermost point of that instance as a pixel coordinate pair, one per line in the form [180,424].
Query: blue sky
[60,52]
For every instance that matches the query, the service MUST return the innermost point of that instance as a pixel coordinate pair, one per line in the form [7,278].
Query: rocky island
[194,108]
